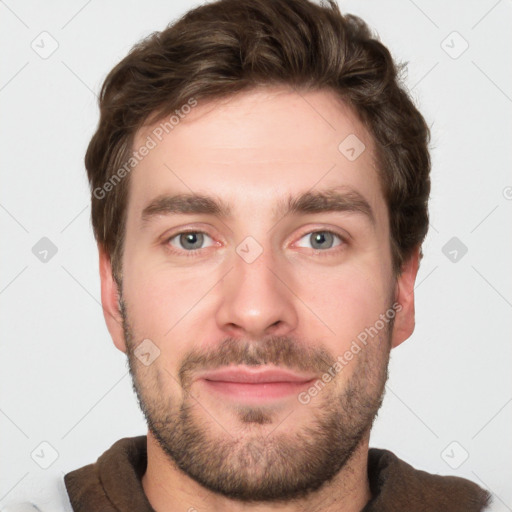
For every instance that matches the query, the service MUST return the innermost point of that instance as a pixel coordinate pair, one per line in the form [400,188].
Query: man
[260,183]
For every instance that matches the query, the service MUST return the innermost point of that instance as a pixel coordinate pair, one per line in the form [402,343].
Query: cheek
[161,300]
[351,305]
[348,298]
[149,298]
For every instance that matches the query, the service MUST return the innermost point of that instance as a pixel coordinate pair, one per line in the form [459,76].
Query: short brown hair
[229,46]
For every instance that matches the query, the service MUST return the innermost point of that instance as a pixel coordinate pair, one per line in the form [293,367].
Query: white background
[63,382]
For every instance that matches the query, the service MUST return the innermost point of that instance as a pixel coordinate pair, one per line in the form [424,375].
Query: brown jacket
[113,484]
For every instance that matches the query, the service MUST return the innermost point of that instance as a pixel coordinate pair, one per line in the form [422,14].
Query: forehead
[254,146]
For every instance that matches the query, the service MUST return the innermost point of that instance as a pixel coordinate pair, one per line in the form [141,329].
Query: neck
[168,489]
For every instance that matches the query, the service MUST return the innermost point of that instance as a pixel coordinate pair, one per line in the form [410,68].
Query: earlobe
[404,320]
[110,300]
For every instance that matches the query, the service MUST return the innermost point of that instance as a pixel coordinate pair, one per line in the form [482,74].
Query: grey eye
[319,240]
[189,241]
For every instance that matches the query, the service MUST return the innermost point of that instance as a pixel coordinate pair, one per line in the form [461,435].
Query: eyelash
[319,252]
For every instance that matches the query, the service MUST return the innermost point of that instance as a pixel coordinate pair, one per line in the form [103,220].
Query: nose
[256,299]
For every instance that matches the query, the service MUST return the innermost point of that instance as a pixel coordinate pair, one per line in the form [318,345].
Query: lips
[254,386]
[246,375]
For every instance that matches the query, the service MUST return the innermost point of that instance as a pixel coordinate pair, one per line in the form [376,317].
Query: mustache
[281,351]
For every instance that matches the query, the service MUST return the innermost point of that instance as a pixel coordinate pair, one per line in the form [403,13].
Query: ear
[404,295]
[110,300]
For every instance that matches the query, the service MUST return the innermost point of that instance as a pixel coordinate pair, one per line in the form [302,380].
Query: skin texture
[298,305]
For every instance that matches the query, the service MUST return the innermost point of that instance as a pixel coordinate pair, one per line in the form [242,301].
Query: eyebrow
[325,201]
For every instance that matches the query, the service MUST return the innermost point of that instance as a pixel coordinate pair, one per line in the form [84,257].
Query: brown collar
[114,484]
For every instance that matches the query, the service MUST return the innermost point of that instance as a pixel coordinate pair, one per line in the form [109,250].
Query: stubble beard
[285,462]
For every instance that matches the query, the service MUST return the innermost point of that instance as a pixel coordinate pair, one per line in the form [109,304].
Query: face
[255,242]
